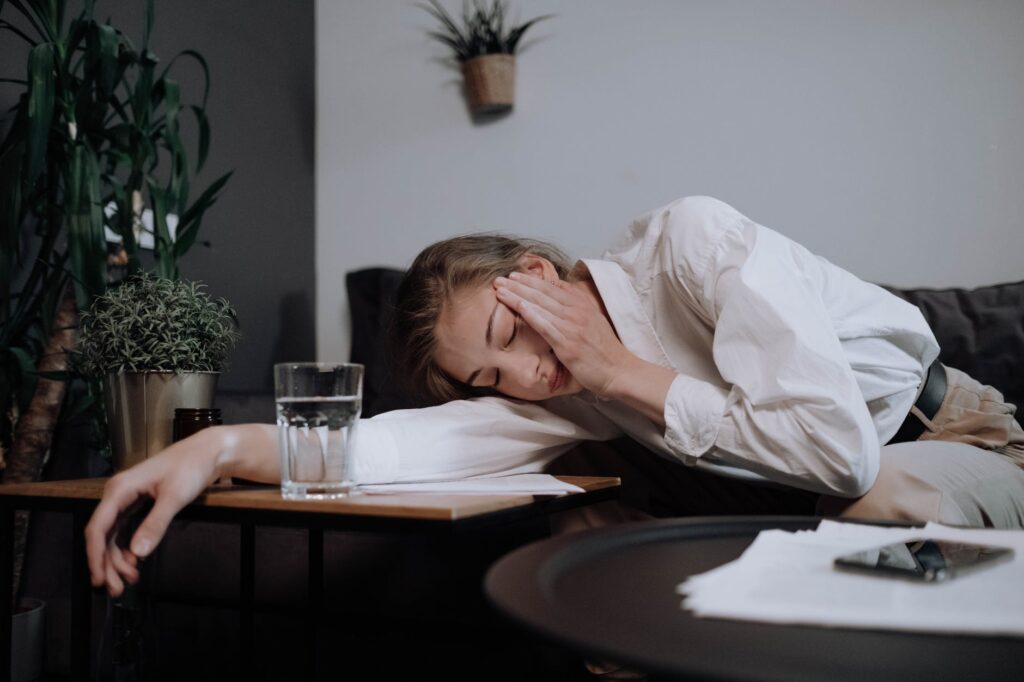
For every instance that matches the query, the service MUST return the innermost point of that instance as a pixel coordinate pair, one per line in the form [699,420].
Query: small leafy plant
[482,31]
[153,324]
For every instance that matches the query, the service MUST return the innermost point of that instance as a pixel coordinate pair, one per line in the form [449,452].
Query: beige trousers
[966,469]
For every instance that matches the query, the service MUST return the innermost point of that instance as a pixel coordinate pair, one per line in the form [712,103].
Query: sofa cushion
[980,331]
[371,297]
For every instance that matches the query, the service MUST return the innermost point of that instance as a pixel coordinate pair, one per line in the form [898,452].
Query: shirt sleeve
[794,412]
[479,437]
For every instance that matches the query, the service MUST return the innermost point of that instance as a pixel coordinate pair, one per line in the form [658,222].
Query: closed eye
[515,330]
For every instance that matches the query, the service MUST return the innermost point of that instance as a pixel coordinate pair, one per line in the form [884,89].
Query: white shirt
[790,369]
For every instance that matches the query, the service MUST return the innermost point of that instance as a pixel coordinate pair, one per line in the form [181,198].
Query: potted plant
[158,344]
[96,138]
[485,51]
[98,122]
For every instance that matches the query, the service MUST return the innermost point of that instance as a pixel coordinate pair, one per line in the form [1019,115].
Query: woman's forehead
[464,317]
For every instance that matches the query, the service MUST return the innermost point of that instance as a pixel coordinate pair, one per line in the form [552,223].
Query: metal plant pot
[140,409]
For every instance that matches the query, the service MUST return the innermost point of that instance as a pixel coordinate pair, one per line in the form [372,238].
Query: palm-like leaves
[98,123]
[482,30]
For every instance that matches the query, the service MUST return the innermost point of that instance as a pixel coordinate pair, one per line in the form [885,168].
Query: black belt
[928,402]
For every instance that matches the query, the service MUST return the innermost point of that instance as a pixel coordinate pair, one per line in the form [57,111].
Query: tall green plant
[98,122]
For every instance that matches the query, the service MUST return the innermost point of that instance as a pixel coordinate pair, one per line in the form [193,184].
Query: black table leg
[81,597]
[314,595]
[247,596]
[6,587]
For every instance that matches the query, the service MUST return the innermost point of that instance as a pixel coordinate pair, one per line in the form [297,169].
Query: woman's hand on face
[172,479]
[572,324]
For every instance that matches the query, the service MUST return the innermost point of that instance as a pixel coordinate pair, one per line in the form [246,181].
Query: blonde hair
[439,272]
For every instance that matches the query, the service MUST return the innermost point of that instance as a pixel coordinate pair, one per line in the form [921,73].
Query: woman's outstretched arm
[172,479]
[460,439]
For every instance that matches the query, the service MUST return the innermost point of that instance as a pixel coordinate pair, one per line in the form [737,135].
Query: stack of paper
[514,484]
[788,577]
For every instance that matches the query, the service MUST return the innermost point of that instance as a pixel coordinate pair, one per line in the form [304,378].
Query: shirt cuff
[693,414]
[373,457]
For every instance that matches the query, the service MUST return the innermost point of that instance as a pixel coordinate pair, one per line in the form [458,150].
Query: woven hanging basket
[490,82]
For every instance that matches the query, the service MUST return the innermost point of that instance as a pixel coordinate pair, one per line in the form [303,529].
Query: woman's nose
[526,371]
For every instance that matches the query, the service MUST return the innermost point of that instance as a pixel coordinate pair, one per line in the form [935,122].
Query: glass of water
[318,407]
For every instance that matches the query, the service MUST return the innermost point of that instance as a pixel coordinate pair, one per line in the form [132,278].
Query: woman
[704,337]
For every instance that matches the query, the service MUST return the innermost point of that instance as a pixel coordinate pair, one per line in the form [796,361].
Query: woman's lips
[559,378]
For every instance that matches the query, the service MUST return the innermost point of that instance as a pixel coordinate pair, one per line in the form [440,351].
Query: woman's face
[482,342]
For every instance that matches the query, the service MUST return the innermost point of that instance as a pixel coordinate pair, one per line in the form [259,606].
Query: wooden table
[252,505]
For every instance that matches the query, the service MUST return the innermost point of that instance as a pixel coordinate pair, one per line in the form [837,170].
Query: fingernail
[141,547]
[515,275]
[500,280]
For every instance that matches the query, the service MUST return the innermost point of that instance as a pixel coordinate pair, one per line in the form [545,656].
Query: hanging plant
[485,50]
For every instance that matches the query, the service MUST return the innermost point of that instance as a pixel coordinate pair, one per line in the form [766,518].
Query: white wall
[885,135]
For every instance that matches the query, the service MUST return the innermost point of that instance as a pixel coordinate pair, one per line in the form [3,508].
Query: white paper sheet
[516,484]
[788,577]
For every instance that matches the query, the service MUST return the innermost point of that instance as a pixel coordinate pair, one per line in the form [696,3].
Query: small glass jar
[189,420]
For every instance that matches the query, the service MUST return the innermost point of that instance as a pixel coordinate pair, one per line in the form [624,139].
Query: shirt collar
[626,310]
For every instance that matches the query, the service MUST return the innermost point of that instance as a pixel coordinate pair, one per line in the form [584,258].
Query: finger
[553,288]
[114,583]
[121,565]
[536,292]
[542,321]
[117,496]
[519,299]
[153,527]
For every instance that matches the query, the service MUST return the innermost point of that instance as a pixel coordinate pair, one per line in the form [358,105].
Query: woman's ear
[538,266]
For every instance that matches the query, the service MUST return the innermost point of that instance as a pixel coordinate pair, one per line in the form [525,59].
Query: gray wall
[885,135]
[261,109]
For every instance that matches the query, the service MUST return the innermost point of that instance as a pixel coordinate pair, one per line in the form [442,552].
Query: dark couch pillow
[980,331]
[371,296]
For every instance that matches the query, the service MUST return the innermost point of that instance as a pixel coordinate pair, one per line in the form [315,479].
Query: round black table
[610,593]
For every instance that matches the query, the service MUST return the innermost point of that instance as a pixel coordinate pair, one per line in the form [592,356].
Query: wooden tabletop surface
[268,497]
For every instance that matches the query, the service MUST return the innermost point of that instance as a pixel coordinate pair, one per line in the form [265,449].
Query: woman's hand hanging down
[583,340]
[171,479]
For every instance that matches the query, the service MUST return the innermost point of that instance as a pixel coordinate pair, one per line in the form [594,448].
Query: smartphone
[924,559]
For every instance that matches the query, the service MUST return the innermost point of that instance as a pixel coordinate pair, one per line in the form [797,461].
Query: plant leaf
[8,26]
[40,108]
[86,241]
[204,136]
[32,19]
[202,63]
[517,33]
[149,16]
[108,58]
[188,225]
[10,217]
